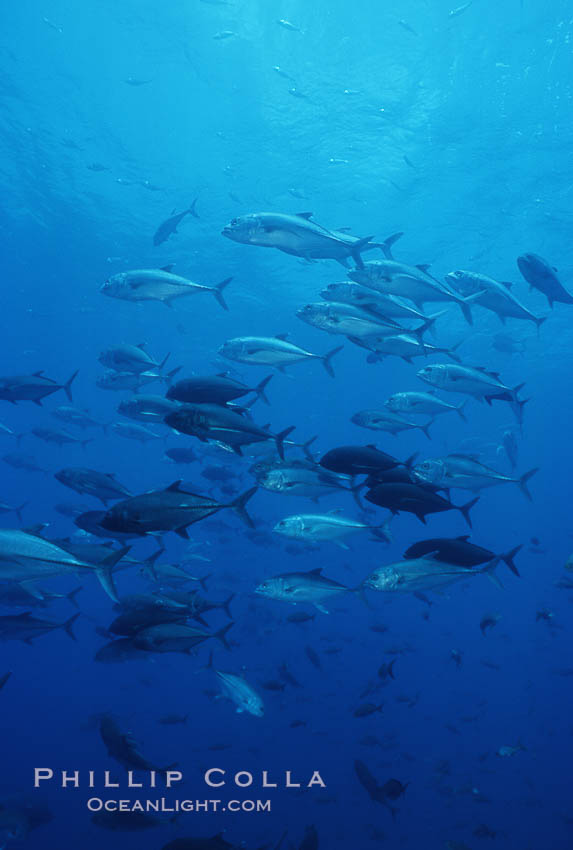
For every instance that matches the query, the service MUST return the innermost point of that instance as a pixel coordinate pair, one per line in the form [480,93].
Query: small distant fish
[386,671]
[297,93]
[457,657]
[135,81]
[405,25]
[507,344]
[168,227]
[282,22]
[53,25]
[223,34]
[488,622]
[508,751]
[366,709]
[282,73]
[155,285]
[300,617]
[453,13]
[22,461]
[239,691]
[313,657]
[134,432]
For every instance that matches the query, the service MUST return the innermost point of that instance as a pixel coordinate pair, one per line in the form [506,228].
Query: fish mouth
[226,231]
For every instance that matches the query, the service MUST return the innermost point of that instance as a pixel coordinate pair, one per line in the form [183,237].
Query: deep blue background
[480,104]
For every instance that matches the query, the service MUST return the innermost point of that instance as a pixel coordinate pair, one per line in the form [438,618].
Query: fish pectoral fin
[182,532]
[321,608]
[341,545]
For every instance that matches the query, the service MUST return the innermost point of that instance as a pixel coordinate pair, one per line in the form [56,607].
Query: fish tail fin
[357,247]
[355,490]
[149,563]
[466,310]
[452,352]
[239,506]
[104,571]
[328,357]
[67,626]
[68,385]
[433,318]
[386,246]
[522,482]
[306,447]
[419,332]
[508,559]
[280,438]
[164,361]
[489,571]
[260,389]
[222,635]
[426,428]
[359,591]
[203,581]
[19,509]
[218,292]
[168,378]
[383,532]
[72,596]
[192,209]
[465,510]
[226,606]
[461,412]
[409,462]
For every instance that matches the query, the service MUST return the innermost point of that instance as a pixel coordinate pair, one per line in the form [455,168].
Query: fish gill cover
[285,421]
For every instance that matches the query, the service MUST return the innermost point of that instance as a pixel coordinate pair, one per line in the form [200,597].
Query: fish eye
[234,222]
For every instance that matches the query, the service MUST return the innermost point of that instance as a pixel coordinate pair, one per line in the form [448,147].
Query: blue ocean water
[452,125]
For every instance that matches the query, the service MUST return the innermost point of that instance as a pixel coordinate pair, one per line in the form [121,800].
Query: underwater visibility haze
[285,407]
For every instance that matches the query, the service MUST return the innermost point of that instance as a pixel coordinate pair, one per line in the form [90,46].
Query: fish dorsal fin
[266,427]
[175,487]
[25,616]
[315,572]
[335,511]
[168,267]
[344,229]
[371,446]
[110,474]
[222,375]
[464,537]
[555,269]
[38,374]
[507,283]
[305,215]
[488,372]
[141,345]
[282,337]
[424,267]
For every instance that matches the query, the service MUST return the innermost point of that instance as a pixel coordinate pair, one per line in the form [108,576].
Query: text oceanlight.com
[97,804]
